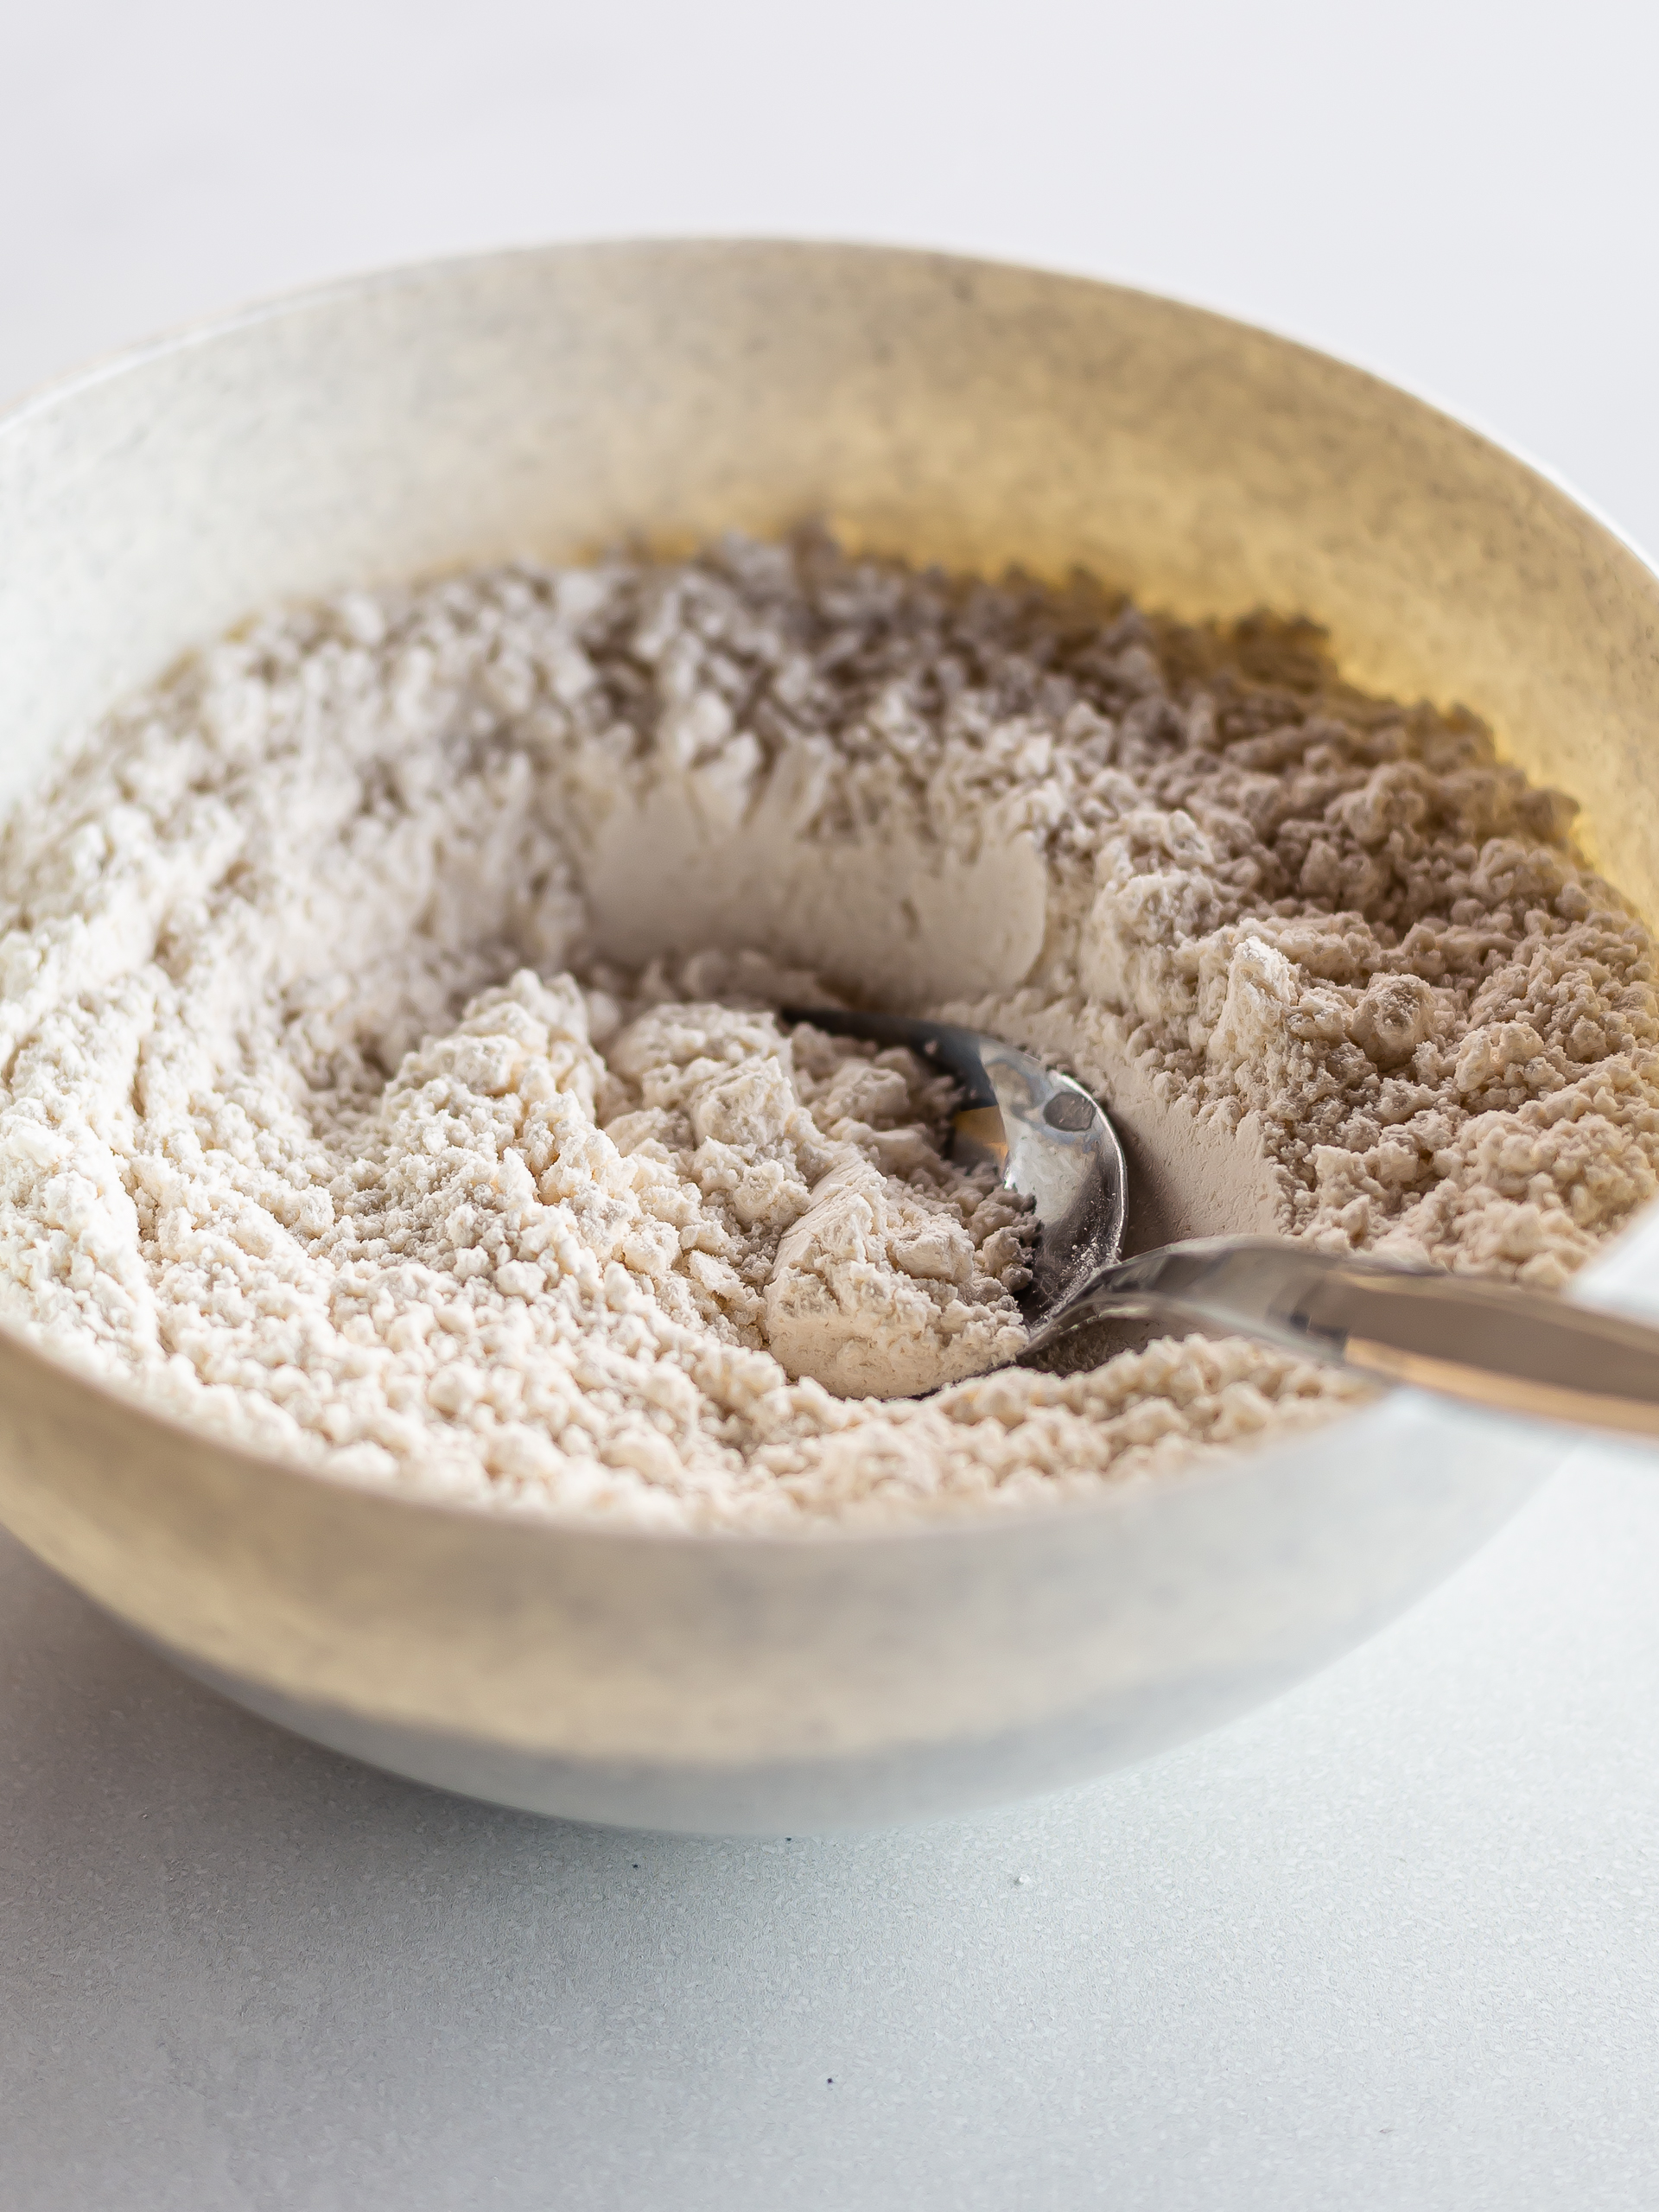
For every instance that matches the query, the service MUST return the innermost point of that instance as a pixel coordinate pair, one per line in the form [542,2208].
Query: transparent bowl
[550,402]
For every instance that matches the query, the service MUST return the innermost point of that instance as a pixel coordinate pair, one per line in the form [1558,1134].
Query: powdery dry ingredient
[324,1121]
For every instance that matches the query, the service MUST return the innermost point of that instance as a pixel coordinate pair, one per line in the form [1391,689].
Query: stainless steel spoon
[1488,1344]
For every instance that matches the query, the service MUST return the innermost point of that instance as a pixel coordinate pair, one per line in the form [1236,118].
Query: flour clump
[394,1077]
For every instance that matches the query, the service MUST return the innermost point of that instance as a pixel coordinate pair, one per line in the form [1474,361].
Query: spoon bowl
[1043,1135]
[1491,1344]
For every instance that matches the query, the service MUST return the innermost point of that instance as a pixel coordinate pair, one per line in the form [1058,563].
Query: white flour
[346,1109]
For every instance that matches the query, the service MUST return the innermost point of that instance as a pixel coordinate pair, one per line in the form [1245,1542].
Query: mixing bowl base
[785,1798]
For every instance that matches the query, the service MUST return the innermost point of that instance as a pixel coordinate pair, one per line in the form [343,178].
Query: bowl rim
[126,1398]
[18,408]
[1391,1408]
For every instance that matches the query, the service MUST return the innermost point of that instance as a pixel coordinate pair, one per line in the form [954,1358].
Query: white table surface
[1394,1941]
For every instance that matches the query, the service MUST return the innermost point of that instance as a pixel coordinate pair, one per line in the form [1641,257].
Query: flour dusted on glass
[327,1121]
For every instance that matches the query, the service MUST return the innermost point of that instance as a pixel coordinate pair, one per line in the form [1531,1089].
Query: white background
[1395,1942]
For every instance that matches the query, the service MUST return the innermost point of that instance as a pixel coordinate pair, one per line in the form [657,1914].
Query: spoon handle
[1488,1344]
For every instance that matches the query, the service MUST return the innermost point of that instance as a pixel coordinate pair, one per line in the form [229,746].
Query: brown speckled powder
[308,1125]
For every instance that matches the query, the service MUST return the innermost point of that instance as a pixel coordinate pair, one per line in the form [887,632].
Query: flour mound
[332,1118]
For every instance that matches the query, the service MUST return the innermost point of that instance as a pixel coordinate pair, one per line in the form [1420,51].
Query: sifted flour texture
[393,1081]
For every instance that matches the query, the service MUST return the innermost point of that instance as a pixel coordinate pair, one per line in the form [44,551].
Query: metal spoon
[1487,1343]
